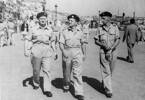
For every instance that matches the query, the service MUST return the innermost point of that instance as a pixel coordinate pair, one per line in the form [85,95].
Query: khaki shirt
[41,39]
[108,35]
[72,37]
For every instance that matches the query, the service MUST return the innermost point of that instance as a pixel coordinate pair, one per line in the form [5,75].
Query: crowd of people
[7,30]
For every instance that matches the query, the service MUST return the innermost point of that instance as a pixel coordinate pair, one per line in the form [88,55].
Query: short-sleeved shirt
[41,49]
[108,35]
[72,38]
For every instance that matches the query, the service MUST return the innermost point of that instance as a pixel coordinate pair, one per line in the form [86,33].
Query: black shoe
[128,60]
[35,87]
[32,84]
[80,97]
[131,61]
[66,89]
[48,94]
[109,95]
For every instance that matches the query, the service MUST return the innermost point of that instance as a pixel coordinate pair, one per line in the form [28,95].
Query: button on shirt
[41,39]
[108,35]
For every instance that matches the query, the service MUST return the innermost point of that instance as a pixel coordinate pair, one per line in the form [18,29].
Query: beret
[41,14]
[106,13]
[76,17]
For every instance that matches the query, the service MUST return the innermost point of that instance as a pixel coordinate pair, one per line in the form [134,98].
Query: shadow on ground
[58,83]
[29,81]
[94,83]
[123,59]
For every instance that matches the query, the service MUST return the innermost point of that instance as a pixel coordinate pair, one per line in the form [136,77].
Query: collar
[76,28]
[45,28]
[107,28]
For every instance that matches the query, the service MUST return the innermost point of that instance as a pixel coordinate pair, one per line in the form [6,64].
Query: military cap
[106,13]
[41,14]
[76,17]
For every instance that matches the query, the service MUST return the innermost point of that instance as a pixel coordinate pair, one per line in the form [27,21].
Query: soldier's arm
[62,44]
[125,34]
[53,41]
[28,44]
[84,42]
[117,40]
[84,50]
[137,35]
[97,42]
[83,46]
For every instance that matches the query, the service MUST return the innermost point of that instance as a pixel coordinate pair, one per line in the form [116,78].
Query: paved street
[128,79]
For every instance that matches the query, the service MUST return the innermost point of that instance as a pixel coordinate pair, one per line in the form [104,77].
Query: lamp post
[99,17]
[134,14]
[55,20]
[43,5]
[56,11]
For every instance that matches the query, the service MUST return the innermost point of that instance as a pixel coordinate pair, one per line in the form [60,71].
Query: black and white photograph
[72,49]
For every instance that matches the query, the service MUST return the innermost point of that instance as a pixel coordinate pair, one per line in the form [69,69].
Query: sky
[92,7]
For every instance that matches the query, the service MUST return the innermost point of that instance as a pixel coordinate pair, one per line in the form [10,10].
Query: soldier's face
[105,19]
[72,22]
[42,20]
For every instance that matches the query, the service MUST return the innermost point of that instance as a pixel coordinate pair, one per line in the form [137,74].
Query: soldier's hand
[27,53]
[84,57]
[123,40]
[56,57]
[65,53]
[106,47]
[34,37]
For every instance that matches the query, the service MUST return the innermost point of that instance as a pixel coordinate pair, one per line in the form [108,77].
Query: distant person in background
[86,29]
[24,28]
[131,37]
[3,33]
[141,31]
[11,30]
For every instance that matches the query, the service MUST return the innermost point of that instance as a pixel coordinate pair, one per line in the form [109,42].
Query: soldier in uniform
[108,39]
[41,52]
[72,45]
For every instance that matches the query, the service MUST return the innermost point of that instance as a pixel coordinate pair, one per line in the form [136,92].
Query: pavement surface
[128,79]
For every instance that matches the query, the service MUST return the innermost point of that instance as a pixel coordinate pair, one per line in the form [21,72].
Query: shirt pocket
[103,37]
